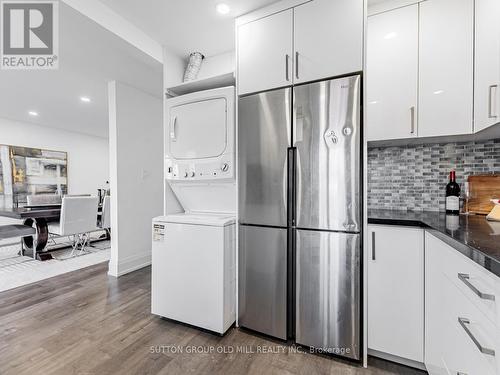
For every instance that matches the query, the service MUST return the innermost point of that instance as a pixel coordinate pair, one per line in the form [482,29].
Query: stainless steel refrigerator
[300,214]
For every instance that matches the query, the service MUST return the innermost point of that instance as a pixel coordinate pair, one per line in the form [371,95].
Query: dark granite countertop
[472,235]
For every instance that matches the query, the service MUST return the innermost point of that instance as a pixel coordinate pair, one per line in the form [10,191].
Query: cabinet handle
[287,75]
[490,101]
[373,245]
[464,322]
[465,279]
[412,114]
[297,65]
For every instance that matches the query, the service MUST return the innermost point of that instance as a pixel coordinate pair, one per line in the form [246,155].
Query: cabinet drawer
[480,286]
[472,340]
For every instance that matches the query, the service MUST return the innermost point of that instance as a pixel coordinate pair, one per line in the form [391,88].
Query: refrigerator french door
[300,214]
[264,136]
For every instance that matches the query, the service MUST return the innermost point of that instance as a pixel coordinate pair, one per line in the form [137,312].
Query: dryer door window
[198,130]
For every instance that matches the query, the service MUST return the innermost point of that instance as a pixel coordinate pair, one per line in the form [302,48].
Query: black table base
[41,237]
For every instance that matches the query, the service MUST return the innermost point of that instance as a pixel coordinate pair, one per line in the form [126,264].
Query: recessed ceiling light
[33,113]
[85,99]
[437,92]
[390,36]
[222,8]
[374,102]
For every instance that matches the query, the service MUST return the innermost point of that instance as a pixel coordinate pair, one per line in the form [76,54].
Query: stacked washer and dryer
[193,258]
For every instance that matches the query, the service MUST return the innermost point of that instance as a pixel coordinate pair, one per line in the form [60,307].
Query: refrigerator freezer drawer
[327,135]
[263,138]
[262,279]
[328,292]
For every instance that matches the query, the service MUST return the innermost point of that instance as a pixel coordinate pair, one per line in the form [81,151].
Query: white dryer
[200,150]
[194,269]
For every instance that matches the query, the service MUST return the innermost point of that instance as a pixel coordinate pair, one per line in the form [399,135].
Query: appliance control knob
[193,174]
[225,167]
[185,174]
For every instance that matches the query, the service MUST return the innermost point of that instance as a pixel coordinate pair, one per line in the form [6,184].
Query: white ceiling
[89,57]
[186,25]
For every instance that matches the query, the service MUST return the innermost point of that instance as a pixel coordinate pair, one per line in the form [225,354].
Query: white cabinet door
[446,67]
[436,336]
[328,37]
[487,64]
[392,74]
[396,291]
[265,53]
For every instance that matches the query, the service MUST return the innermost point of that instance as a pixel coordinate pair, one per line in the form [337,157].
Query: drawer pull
[465,279]
[464,322]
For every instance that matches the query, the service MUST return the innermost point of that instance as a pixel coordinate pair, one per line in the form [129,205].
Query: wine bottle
[452,195]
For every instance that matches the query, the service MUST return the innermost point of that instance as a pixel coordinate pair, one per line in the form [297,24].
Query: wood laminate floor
[86,322]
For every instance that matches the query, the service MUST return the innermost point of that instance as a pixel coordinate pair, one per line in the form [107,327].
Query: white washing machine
[193,273]
[194,252]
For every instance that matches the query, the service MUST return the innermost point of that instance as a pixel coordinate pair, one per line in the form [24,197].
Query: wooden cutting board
[482,189]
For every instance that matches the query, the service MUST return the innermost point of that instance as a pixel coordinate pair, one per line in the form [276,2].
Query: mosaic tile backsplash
[414,177]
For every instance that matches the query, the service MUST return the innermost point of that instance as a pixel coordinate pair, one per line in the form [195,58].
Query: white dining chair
[43,199]
[78,218]
[105,222]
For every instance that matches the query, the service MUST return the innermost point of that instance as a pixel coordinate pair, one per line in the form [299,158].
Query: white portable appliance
[193,260]
[194,270]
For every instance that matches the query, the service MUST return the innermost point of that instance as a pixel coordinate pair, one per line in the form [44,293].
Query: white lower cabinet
[396,291]
[462,335]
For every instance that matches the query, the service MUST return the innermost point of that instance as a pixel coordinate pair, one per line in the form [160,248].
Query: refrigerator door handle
[285,183]
[291,186]
[298,185]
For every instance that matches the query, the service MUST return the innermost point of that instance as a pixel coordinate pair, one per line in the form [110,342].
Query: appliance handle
[290,182]
[491,101]
[173,129]
[412,114]
[298,184]
[465,279]
[373,245]
[464,322]
[285,184]
[287,75]
[297,64]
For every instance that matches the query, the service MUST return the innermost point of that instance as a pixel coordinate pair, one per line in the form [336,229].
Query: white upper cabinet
[487,69]
[265,48]
[396,291]
[328,37]
[307,42]
[392,74]
[446,67]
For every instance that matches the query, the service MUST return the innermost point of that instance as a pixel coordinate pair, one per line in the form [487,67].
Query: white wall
[218,64]
[109,19]
[136,164]
[88,156]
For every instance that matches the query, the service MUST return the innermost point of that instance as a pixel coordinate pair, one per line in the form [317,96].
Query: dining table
[37,217]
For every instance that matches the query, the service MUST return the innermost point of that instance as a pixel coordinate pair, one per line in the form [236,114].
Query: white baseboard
[129,264]
[395,358]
